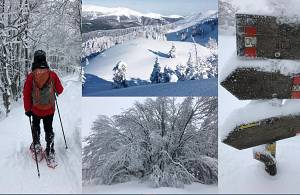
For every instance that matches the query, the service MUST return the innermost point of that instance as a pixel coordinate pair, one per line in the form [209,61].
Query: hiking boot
[50,158]
[38,148]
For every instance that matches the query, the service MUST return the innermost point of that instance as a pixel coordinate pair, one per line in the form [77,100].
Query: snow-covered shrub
[120,75]
[156,75]
[163,141]
[172,52]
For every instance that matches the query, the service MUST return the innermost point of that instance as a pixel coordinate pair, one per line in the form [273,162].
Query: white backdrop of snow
[140,59]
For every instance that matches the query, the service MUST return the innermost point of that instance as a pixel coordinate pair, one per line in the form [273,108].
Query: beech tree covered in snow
[120,75]
[164,141]
[29,25]
[156,75]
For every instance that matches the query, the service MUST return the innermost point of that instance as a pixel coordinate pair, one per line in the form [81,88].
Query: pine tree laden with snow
[156,75]
[120,75]
[190,68]
[167,74]
[180,72]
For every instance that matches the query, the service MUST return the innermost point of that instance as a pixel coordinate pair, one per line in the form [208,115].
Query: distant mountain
[103,18]
[195,28]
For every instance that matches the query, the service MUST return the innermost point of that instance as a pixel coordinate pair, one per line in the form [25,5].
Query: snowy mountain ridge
[102,18]
[193,20]
[99,11]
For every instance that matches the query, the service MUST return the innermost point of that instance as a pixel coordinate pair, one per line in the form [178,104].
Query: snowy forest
[29,25]
[164,142]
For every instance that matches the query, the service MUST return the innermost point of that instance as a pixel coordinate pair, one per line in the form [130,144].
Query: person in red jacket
[39,92]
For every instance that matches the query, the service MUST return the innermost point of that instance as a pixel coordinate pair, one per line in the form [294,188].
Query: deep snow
[134,187]
[140,55]
[18,169]
[240,173]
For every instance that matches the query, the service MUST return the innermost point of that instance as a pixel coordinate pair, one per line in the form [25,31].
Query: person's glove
[28,113]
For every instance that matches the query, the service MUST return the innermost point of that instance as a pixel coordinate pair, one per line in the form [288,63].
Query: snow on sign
[263,131]
[267,37]
[251,84]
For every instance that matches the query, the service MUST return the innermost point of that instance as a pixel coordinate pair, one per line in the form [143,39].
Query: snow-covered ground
[240,173]
[205,87]
[134,187]
[140,55]
[18,169]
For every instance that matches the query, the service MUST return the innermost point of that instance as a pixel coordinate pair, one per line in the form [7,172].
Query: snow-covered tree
[190,68]
[29,25]
[227,11]
[212,60]
[120,75]
[165,141]
[98,41]
[167,74]
[172,52]
[156,75]
[181,72]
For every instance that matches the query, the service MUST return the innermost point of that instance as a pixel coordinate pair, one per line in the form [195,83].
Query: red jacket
[27,96]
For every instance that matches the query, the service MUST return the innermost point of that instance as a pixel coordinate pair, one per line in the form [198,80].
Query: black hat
[39,60]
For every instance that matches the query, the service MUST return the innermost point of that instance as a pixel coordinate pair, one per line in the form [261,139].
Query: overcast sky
[165,7]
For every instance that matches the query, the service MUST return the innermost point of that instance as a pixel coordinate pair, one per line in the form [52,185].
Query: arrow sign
[252,84]
[263,132]
[267,37]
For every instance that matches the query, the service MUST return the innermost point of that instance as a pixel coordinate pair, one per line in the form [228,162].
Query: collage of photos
[149,96]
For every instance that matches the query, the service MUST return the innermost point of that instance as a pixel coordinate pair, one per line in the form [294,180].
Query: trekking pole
[36,161]
[62,128]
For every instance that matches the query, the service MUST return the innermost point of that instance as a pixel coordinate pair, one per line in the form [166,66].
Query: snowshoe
[38,150]
[50,159]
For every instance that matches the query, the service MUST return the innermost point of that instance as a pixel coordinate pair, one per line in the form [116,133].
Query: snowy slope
[199,32]
[206,87]
[18,169]
[140,55]
[135,187]
[240,173]
[193,20]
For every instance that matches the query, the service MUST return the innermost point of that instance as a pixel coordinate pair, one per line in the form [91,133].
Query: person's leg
[36,130]
[49,134]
